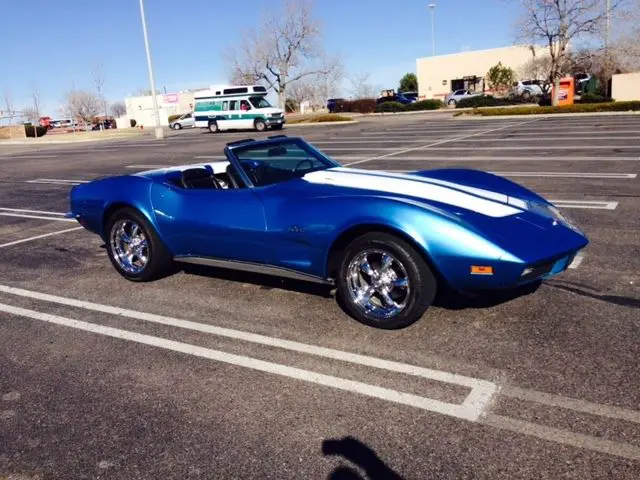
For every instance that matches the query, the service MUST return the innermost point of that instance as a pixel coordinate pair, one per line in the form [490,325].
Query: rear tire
[213,127]
[259,125]
[390,297]
[142,258]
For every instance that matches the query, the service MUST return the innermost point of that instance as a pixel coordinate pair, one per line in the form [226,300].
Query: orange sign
[565,91]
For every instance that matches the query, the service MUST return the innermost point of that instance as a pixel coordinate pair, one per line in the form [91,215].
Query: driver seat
[234,179]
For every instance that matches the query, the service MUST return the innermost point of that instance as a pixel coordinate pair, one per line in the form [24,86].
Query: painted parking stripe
[57,181]
[468,410]
[23,210]
[38,217]
[484,158]
[475,408]
[576,261]
[567,174]
[148,166]
[38,237]
[26,157]
[593,204]
[430,145]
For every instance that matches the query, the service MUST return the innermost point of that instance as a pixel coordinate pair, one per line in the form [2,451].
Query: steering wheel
[301,162]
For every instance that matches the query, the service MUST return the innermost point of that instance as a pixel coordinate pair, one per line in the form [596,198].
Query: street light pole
[606,48]
[158,129]
[432,6]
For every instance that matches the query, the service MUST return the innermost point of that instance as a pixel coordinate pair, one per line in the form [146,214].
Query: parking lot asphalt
[215,374]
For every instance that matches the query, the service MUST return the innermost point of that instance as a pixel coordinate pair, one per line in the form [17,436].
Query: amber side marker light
[481,270]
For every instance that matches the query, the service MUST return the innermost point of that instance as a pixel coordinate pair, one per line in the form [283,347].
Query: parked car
[456,96]
[529,88]
[335,105]
[279,206]
[391,96]
[185,121]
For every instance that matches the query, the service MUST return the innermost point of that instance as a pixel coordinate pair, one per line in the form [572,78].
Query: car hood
[513,217]
[441,192]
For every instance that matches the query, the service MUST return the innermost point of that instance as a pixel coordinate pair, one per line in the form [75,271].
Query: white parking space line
[564,437]
[140,167]
[26,157]
[485,158]
[567,174]
[542,147]
[593,204]
[37,237]
[37,217]
[471,409]
[446,140]
[577,260]
[57,181]
[22,210]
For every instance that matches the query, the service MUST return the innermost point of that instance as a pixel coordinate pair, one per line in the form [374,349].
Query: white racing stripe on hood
[417,187]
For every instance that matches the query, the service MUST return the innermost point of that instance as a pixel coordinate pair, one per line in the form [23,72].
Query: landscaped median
[537,110]
[319,118]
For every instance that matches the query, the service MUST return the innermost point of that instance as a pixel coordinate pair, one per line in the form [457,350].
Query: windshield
[280,162]
[259,102]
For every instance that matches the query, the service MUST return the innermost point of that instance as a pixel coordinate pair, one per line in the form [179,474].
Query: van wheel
[213,126]
[259,125]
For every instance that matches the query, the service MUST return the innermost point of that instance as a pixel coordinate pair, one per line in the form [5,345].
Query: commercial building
[442,74]
[141,108]
[625,86]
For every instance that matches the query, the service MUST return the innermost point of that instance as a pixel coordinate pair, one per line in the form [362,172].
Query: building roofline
[521,45]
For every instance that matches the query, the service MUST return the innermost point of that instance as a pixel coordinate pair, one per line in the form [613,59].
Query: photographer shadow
[361,455]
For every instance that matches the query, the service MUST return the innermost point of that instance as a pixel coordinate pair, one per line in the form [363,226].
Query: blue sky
[62,40]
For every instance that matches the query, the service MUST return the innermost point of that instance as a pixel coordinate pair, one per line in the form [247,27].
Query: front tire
[213,127]
[384,282]
[177,126]
[452,103]
[259,125]
[134,248]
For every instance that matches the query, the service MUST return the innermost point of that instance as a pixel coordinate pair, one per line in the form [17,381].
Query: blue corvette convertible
[280,206]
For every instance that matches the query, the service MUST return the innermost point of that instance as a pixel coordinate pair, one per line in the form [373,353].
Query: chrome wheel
[378,283]
[129,246]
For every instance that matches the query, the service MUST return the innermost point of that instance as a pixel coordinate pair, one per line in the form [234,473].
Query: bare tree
[31,114]
[283,50]
[9,110]
[558,23]
[315,89]
[118,109]
[360,86]
[97,74]
[82,104]
[626,43]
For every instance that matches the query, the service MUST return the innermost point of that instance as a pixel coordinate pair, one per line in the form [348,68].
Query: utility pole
[158,128]
[607,32]
[432,7]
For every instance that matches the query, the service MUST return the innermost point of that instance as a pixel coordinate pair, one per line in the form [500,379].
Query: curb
[61,142]
[549,115]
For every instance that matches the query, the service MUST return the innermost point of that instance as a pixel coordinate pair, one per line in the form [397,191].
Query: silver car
[455,97]
[185,121]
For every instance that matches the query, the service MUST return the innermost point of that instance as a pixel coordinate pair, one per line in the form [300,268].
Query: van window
[259,102]
[230,91]
[259,88]
[244,105]
[225,105]
[233,105]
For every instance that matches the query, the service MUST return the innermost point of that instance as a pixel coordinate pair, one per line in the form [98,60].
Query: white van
[236,107]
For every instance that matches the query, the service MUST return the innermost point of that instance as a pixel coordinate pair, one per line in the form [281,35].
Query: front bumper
[271,121]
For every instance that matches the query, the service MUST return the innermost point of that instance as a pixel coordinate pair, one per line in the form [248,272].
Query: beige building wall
[625,86]
[141,108]
[435,74]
